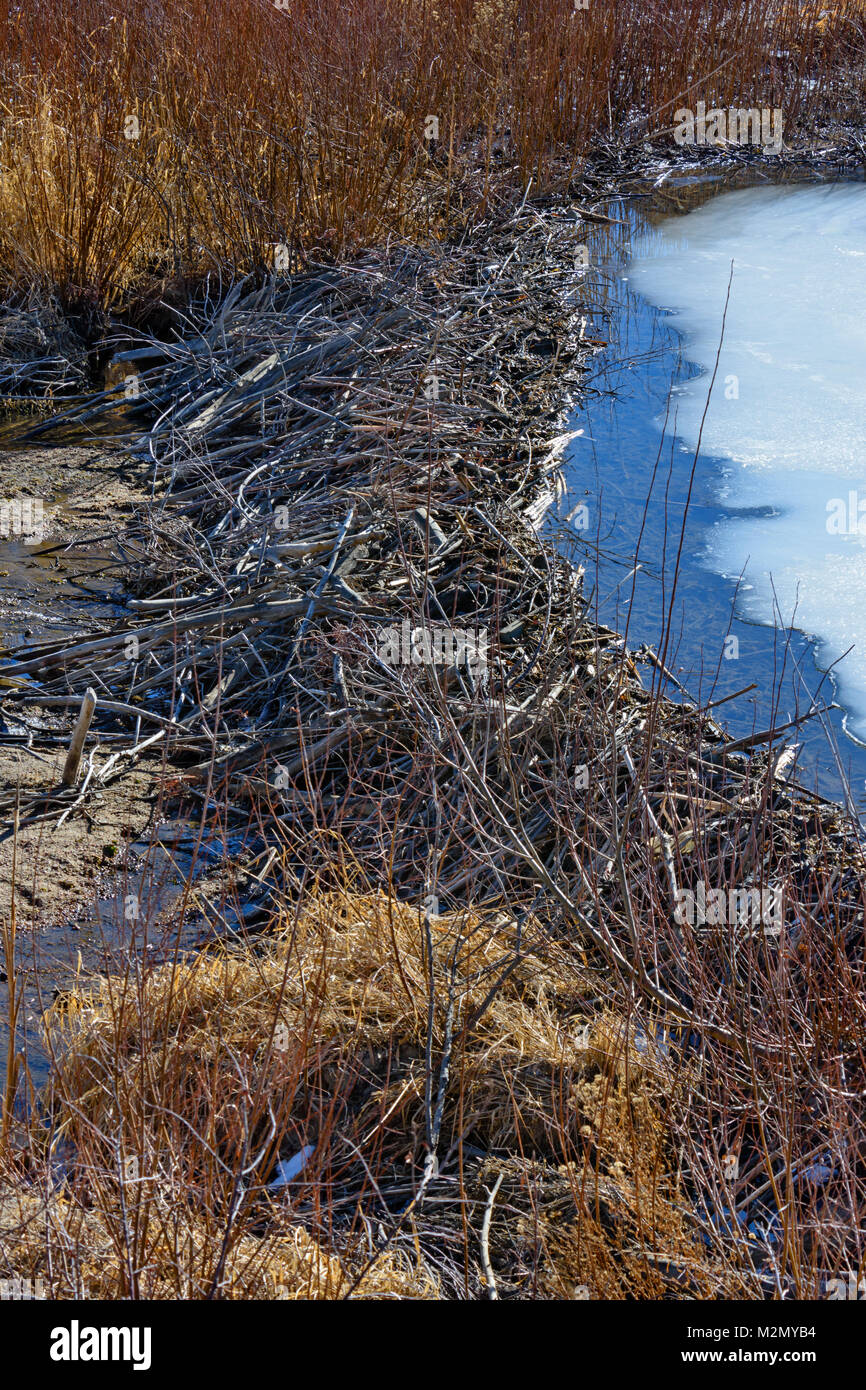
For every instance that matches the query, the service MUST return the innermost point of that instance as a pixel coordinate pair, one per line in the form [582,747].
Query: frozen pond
[769,520]
[788,408]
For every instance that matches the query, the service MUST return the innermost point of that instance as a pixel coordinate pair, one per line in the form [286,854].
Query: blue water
[647,498]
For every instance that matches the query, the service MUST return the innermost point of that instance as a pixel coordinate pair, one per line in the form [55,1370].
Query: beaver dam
[391,906]
[537,959]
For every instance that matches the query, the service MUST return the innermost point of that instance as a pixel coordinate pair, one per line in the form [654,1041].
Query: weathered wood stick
[79,734]
[111,706]
[270,608]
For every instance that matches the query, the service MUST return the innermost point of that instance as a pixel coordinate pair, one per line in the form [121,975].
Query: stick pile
[339,461]
[347,628]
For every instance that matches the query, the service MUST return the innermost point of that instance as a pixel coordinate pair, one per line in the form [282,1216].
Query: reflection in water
[789,406]
[649,501]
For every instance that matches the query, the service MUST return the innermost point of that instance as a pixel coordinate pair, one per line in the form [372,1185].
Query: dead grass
[143,147]
[176,1090]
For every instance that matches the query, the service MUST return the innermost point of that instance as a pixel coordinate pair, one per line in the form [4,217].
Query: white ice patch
[788,408]
[289,1168]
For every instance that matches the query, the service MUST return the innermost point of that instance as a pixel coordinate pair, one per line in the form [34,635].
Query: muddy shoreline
[55,582]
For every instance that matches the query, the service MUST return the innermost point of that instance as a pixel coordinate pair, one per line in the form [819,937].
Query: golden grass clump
[81,1244]
[363,1034]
